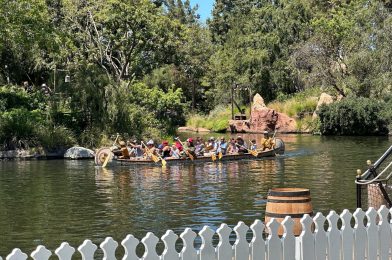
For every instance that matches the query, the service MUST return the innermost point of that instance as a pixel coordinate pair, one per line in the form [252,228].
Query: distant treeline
[139,67]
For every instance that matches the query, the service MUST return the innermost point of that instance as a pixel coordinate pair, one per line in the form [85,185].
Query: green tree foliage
[353,116]
[256,49]
[348,49]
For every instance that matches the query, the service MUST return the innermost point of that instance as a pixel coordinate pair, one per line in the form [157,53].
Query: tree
[348,49]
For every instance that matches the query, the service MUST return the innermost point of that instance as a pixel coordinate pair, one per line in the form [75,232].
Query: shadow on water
[48,202]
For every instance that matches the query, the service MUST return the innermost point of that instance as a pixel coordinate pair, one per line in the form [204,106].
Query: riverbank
[73,153]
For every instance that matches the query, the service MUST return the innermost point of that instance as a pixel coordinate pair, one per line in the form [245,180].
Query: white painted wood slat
[65,251]
[130,243]
[307,249]
[87,250]
[224,248]
[41,253]
[360,235]
[207,250]
[150,242]
[109,246]
[320,237]
[258,243]
[288,239]
[274,246]
[347,236]
[241,246]
[188,251]
[372,234]
[384,233]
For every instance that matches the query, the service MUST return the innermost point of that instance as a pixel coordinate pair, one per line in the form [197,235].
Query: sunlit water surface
[48,202]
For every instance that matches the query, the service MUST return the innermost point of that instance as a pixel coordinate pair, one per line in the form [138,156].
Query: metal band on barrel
[277,215]
[289,201]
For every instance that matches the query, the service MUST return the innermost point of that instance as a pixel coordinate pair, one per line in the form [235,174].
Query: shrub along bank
[33,119]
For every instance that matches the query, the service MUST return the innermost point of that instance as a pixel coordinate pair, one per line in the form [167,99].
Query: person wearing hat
[222,146]
[190,148]
[267,142]
[124,150]
[253,145]
[165,149]
[136,149]
[151,148]
[174,152]
[212,146]
[233,148]
[178,144]
[199,147]
[242,147]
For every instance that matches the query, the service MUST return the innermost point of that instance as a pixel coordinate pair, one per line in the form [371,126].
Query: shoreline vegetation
[78,73]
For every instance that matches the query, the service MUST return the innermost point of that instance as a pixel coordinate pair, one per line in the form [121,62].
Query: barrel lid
[288,192]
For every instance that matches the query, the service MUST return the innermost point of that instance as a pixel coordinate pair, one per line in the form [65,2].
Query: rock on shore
[78,152]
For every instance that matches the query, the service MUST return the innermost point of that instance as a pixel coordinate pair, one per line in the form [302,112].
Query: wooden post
[250,103]
[232,101]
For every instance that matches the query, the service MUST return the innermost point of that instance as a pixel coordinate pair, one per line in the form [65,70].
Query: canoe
[101,156]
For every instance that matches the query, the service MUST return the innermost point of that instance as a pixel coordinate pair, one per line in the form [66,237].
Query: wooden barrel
[293,202]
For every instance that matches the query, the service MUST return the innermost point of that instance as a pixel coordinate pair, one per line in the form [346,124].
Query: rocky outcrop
[263,119]
[324,99]
[77,153]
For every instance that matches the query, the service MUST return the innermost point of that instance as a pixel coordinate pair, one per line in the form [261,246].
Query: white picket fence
[371,242]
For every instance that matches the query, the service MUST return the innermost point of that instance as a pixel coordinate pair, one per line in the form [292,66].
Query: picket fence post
[65,251]
[288,239]
[360,235]
[224,248]
[130,243]
[258,243]
[384,233]
[347,235]
[169,239]
[320,237]
[372,234]
[307,244]
[207,250]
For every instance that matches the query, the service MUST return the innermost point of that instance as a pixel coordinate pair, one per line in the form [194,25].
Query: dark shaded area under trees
[139,67]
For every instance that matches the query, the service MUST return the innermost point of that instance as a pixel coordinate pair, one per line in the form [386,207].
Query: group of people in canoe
[192,147]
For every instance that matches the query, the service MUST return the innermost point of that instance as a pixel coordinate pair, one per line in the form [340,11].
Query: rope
[377,177]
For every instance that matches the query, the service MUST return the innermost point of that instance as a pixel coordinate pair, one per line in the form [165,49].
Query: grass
[217,120]
[303,102]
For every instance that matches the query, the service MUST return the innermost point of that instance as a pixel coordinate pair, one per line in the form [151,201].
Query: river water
[48,202]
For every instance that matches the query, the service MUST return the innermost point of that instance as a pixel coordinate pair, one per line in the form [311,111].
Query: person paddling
[165,149]
[222,147]
[190,148]
[242,148]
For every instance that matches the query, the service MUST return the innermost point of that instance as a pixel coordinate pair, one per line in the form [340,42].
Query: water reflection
[47,202]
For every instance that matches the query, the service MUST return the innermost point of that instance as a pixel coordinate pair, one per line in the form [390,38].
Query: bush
[54,137]
[17,128]
[353,116]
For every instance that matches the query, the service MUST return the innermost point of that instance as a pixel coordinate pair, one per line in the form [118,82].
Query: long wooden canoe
[102,154]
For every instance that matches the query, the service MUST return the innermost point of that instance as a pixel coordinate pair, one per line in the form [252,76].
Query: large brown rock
[324,99]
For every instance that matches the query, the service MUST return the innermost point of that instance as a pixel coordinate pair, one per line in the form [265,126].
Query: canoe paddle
[108,157]
[252,152]
[186,151]
[153,156]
